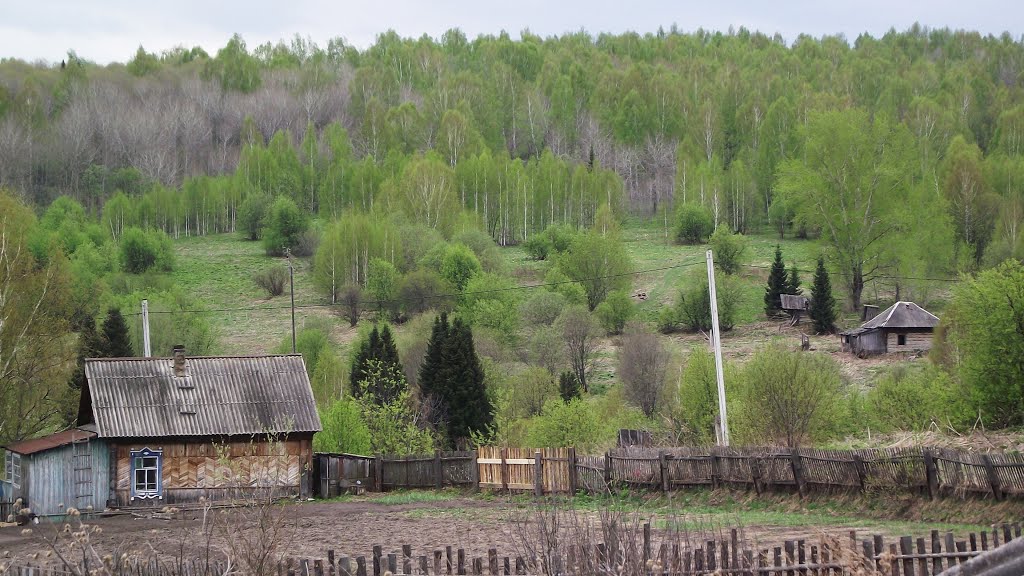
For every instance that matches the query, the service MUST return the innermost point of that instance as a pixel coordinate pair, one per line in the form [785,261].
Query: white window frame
[138,464]
[12,468]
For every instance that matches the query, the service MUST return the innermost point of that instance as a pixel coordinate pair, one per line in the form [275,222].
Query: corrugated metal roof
[134,397]
[64,438]
[903,315]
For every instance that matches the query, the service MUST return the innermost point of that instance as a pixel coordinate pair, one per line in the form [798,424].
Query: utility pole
[716,341]
[146,351]
[291,282]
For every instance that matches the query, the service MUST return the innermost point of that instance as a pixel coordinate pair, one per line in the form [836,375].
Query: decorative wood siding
[49,479]
[218,470]
[915,341]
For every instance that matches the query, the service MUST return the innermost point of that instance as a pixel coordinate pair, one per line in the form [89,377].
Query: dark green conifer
[114,341]
[793,282]
[823,304]
[777,284]
[568,386]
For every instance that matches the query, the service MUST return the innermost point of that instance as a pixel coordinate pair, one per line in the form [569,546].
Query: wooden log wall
[655,555]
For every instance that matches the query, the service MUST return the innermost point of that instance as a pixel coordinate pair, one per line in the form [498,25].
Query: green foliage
[541,308]
[344,429]
[555,239]
[251,215]
[175,317]
[777,284]
[557,282]
[377,354]
[692,309]
[530,390]
[492,301]
[985,325]
[793,281]
[614,312]
[568,386]
[143,250]
[422,290]
[697,408]
[538,246]
[918,399]
[284,226]
[693,223]
[573,423]
[458,265]
[728,249]
[599,263]
[823,304]
[382,282]
[344,255]
[789,396]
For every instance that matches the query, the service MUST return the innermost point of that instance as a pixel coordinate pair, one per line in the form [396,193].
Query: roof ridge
[239,356]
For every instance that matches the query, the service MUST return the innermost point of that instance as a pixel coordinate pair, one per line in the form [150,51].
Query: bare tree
[351,298]
[643,361]
[580,331]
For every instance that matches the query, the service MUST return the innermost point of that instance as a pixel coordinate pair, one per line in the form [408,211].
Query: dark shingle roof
[903,315]
[217,396]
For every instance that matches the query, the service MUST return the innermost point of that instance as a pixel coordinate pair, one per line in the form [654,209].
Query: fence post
[931,474]
[608,470]
[438,473]
[474,469]
[715,477]
[538,473]
[993,479]
[858,466]
[572,472]
[798,473]
[663,465]
[378,473]
[504,471]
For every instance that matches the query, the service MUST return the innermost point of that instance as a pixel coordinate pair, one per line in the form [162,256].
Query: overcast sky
[111,30]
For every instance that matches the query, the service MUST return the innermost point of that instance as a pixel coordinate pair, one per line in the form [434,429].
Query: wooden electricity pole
[722,429]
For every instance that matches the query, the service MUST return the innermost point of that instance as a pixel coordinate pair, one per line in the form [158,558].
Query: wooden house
[902,327]
[169,431]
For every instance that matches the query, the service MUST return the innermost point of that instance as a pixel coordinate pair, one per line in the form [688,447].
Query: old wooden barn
[902,327]
[161,431]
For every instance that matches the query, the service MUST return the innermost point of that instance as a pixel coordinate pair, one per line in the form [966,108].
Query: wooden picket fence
[729,554]
[918,470]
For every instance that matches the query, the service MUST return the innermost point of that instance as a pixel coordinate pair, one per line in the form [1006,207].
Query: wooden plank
[512,461]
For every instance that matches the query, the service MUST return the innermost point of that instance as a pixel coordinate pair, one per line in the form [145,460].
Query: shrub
[284,226]
[542,308]
[538,246]
[144,250]
[251,214]
[272,280]
[693,309]
[568,386]
[419,291]
[344,429]
[574,423]
[643,361]
[614,312]
[728,249]
[458,265]
[382,281]
[307,243]
[790,396]
[907,399]
[693,224]
[530,390]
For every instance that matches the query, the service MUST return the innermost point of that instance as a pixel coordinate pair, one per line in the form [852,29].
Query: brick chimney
[179,361]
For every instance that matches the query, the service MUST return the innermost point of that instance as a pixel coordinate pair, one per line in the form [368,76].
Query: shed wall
[915,341]
[49,483]
[214,470]
[870,342]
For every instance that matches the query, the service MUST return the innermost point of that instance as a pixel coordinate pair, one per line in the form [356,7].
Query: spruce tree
[793,282]
[432,362]
[114,340]
[568,386]
[89,346]
[823,304]
[376,367]
[776,285]
[462,389]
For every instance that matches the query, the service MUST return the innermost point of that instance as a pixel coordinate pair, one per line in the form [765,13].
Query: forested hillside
[538,190]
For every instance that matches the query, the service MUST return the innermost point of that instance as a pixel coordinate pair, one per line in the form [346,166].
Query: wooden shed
[164,431]
[902,327]
[57,472]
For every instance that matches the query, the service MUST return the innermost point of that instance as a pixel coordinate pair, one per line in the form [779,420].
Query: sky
[106,31]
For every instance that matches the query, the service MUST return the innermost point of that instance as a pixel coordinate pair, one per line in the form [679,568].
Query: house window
[901,339]
[146,473]
[12,468]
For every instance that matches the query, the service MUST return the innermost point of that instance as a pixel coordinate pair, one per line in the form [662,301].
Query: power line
[432,296]
[875,277]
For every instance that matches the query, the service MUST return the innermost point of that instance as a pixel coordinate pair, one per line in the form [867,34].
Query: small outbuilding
[902,327]
[170,431]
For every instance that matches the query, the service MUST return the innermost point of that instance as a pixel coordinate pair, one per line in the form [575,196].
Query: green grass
[401,497]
